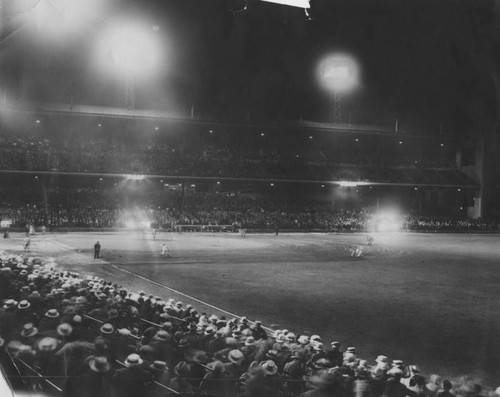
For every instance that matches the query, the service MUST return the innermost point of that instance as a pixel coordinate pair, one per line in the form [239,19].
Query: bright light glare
[348,184]
[5,223]
[338,73]
[387,221]
[55,20]
[129,47]
[136,177]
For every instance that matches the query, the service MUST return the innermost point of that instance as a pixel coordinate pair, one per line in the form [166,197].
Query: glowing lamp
[348,184]
[338,73]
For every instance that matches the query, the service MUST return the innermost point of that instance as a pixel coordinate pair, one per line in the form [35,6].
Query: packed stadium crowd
[171,209]
[194,158]
[70,335]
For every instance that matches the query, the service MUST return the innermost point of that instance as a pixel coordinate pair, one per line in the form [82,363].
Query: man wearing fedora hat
[93,381]
[133,379]
[295,370]
[264,380]
[160,373]
[29,334]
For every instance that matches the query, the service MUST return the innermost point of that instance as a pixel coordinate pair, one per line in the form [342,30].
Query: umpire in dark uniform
[97,250]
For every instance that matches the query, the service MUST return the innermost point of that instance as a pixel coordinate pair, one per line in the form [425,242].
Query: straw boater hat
[64,329]
[52,313]
[269,367]
[29,330]
[250,341]
[9,303]
[47,344]
[158,366]
[133,360]
[107,329]
[99,364]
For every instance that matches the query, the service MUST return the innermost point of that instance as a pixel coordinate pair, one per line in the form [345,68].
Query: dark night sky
[426,63]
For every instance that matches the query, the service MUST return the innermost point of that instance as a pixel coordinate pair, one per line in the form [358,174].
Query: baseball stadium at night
[259,198]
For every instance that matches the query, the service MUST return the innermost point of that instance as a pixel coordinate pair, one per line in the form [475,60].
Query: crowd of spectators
[188,157]
[170,209]
[87,337]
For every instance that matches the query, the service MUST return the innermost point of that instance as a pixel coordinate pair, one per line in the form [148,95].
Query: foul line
[182,293]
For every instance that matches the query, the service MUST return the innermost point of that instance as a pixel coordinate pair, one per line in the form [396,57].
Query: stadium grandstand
[259,198]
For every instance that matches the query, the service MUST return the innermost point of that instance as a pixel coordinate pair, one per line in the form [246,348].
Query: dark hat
[162,335]
[158,366]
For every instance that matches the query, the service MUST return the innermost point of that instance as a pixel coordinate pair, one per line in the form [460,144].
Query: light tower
[337,74]
[135,54]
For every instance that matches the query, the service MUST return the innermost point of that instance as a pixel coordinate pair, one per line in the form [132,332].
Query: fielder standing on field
[164,250]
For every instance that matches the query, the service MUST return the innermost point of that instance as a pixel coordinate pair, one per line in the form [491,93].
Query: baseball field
[428,299]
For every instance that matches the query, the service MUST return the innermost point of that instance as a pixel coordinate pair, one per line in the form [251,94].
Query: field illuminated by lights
[428,299]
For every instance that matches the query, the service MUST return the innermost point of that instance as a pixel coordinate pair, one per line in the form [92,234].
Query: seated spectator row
[189,155]
[85,336]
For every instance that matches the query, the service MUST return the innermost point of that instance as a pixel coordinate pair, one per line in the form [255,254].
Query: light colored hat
[133,360]
[25,351]
[107,328]
[124,331]
[315,338]
[64,329]
[29,330]
[351,349]
[24,304]
[290,337]
[303,339]
[9,303]
[52,313]
[382,359]
[269,367]
[99,364]
[235,356]
[250,341]
[47,344]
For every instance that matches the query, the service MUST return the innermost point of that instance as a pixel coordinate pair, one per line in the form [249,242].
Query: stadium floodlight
[338,73]
[129,49]
[292,3]
[135,177]
[348,184]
